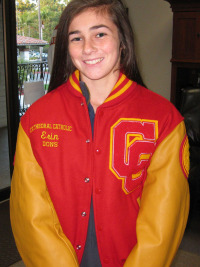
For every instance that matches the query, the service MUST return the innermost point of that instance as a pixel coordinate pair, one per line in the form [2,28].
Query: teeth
[91,62]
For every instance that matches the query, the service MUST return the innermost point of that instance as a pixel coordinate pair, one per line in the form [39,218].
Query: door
[14,73]
[9,115]
[186,36]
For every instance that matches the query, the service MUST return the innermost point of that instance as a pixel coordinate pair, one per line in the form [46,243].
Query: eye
[75,39]
[101,34]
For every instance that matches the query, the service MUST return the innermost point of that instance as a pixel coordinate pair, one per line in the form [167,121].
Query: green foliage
[21,60]
[27,17]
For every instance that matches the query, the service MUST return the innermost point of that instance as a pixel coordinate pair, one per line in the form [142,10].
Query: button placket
[83,104]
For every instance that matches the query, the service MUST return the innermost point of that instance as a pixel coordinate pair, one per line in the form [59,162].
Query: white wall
[3,116]
[152,23]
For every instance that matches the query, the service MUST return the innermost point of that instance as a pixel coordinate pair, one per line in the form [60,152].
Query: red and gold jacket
[135,168]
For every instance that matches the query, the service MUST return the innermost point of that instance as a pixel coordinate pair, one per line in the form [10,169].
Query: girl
[101,163]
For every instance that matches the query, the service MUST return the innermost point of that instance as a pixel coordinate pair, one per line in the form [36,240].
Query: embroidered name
[49,133]
[48,139]
[49,144]
[55,126]
[49,136]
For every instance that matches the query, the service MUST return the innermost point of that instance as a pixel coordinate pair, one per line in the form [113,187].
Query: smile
[94,61]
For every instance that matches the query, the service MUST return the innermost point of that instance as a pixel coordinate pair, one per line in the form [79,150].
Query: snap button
[78,247]
[82,104]
[83,214]
[87,180]
[98,150]
[88,141]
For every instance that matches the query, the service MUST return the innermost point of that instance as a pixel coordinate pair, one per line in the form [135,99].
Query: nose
[89,46]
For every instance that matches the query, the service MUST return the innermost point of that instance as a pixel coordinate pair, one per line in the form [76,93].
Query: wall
[3,116]
[152,23]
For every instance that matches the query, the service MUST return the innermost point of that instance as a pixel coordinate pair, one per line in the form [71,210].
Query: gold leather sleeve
[164,206]
[36,228]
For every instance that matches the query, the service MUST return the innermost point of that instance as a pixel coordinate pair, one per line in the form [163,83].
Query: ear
[122,49]
[122,46]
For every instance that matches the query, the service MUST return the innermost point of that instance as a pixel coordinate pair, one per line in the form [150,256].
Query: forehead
[91,17]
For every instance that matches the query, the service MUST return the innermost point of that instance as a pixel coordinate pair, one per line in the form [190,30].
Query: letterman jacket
[135,168]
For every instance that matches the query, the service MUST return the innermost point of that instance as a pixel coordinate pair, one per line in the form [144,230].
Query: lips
[93,61]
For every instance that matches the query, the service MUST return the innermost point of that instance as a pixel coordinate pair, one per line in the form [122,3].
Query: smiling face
[94,46]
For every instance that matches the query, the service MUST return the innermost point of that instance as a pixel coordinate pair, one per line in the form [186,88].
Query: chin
[94,76]
[99,76]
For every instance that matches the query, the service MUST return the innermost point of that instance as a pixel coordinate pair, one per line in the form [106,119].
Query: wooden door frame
[11,81]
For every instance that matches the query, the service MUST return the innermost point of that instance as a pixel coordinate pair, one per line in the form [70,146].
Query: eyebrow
[92,28]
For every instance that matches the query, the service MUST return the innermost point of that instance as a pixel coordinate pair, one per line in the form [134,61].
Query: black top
[91,254]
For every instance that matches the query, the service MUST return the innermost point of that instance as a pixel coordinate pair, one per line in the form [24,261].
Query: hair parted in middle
[63,66]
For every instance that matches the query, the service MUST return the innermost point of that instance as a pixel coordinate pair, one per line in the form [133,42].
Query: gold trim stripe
[77,74]
[73,83]
[123,77]
[120,92]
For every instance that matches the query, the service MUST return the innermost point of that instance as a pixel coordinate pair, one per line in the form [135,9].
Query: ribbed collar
[123,84]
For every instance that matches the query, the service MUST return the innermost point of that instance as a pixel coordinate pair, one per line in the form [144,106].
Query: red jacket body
[111,166]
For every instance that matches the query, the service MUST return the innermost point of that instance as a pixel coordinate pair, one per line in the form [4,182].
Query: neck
[100,89]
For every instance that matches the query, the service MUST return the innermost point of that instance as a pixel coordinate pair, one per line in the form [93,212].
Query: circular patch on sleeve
[185,156]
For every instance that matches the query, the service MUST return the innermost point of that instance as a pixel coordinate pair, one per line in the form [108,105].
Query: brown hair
[63,66]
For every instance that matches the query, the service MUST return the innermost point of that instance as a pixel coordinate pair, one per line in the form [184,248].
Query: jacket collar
[122,86]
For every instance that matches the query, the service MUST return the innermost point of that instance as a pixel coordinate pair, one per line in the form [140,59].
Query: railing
[29,72]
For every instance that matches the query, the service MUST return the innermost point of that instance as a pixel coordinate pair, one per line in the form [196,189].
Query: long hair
[63,66]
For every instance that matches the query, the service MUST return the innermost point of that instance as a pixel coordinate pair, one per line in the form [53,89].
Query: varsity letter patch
[132,142]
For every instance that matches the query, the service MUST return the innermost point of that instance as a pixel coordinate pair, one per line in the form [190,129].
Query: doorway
[4,150]
[9,115]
